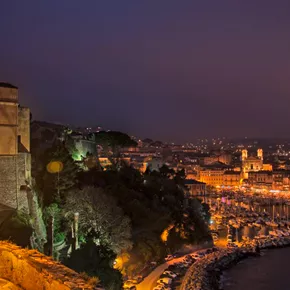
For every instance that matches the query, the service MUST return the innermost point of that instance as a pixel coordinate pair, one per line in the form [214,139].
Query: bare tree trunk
[49,244]
[76,230]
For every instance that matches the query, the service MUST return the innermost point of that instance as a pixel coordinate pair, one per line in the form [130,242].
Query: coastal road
[150,281]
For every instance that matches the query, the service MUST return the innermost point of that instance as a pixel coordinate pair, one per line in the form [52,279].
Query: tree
[53,211]
[195,226]
[99,214]
[53,186]
[153,202]
[165,171]
[179,177]
[70,146]
[114,140]
[96,261]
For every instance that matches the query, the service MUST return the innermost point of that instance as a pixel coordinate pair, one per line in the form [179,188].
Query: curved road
[150,281]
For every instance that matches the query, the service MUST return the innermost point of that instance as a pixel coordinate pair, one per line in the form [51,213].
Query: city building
[231,178]
[218,157]
[225,158]
[84,145]
[213,174]
[195,187]
[213,177]
[251,163]
[267,167]
[281,179]
[44,135]
[15,159]
[260,179]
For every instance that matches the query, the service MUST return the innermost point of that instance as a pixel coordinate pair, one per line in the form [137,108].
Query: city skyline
[175,73]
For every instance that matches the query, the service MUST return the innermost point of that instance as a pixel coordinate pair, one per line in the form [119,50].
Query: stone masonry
[30,269]
[15,163]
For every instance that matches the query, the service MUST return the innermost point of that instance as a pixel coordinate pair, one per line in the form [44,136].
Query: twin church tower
[251,163]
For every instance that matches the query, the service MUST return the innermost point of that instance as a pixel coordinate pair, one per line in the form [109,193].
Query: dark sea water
[268,272]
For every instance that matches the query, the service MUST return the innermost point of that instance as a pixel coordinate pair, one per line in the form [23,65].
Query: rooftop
[261,172]
[232,172]
[217,165]
[7,85]
[192,181]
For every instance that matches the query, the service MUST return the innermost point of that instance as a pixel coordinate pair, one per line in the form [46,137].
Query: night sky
[169,70]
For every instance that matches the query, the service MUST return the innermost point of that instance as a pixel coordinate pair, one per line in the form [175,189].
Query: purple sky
[170,70]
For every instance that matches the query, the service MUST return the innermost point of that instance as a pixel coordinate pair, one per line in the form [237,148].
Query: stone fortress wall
[8,181]
[29,269]
[24,127]
[15,164]
[8,120]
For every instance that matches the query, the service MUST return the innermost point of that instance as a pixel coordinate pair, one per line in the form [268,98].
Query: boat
[272,224]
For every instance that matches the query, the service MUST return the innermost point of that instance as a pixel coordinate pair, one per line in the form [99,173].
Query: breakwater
[205,273]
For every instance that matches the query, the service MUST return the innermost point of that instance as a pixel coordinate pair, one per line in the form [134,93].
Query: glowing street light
[55,167]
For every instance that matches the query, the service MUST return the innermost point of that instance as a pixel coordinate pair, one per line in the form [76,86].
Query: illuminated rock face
[30,269]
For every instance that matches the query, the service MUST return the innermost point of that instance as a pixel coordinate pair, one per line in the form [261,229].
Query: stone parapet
[30,270]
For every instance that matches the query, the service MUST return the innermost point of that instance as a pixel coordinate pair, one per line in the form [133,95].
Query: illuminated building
[231,178]
[267,167]
[84,145]
[260,179]
[195,187]
[281,180]
[244,154]
[251,163]
[223,158]
[106,162]
[15,159]
[212,177]
[210,160]
[260,154]
[191,174]
[45,135]
[213,174]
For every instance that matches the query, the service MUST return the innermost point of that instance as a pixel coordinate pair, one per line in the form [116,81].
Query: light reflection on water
[268,272]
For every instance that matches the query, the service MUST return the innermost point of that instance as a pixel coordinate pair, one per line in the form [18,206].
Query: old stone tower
[15,159]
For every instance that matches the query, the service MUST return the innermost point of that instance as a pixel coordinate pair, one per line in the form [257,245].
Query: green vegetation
[154,202]
[16,228]
[113,140]
[136,218]
[96,261]
[53,210]
[99,214]
[53,187]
